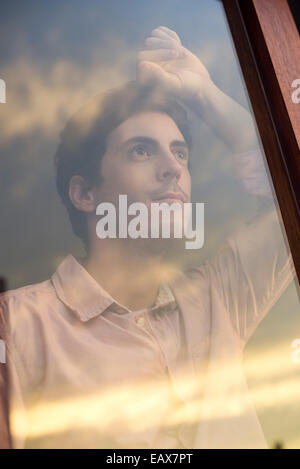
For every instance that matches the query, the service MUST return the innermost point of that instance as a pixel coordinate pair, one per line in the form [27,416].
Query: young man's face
[146,159]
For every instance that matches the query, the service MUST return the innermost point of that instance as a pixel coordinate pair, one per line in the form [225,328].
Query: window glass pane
[295,9]
[147,342]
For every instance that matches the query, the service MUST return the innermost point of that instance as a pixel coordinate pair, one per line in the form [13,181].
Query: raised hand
[164,61]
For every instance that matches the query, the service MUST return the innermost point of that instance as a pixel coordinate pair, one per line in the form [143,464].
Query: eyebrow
[152,141]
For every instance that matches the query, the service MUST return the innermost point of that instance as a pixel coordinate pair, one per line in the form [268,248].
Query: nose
[168,167]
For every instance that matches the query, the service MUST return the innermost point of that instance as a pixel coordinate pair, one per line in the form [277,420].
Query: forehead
[152,124]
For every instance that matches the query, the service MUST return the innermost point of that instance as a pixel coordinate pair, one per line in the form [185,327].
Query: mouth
[171,197]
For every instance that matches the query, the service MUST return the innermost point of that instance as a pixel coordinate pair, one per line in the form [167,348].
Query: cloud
[40,97]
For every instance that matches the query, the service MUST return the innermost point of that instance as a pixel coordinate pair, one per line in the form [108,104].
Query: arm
[24,367]
[254,267]
[5,442]
[165,62]
[250,272]
[4,430]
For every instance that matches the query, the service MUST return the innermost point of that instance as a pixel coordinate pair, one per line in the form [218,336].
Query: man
[121,349]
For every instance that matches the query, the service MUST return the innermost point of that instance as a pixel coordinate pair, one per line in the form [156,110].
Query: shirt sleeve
[252,173]
[4,426]
[23,360]
[251,271]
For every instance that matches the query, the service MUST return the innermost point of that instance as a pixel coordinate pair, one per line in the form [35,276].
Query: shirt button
[140,320]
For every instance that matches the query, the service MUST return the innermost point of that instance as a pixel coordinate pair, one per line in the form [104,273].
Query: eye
[181,154]
[140,151]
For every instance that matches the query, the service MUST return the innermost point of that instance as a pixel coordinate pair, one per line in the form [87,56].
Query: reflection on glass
[140,340]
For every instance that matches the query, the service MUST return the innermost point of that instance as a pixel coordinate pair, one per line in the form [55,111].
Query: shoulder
[27,295]
[22,309]
[44,287]
[22,320]
[191,281]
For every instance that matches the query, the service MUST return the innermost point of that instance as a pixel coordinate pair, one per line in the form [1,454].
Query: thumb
[151,73]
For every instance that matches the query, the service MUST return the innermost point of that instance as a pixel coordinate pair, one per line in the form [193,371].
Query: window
[244,167]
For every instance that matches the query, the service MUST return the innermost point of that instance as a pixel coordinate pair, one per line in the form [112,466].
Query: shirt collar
[164,296]
[80,292]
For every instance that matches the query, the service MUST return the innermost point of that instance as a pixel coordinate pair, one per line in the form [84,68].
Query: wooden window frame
[268,48]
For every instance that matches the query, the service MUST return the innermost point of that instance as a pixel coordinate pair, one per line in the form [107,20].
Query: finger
[170,33]
[158,32]
[158,43]
[151,73]
[164,32]
[158,55]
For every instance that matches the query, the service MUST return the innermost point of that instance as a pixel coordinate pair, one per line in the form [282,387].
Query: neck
[130,270]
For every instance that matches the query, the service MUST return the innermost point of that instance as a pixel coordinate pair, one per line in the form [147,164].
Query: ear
[81,194]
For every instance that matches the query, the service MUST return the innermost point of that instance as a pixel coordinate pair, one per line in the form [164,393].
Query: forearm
[235,126]
[229,120]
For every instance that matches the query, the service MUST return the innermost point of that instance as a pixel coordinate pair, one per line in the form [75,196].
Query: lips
[173,196]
